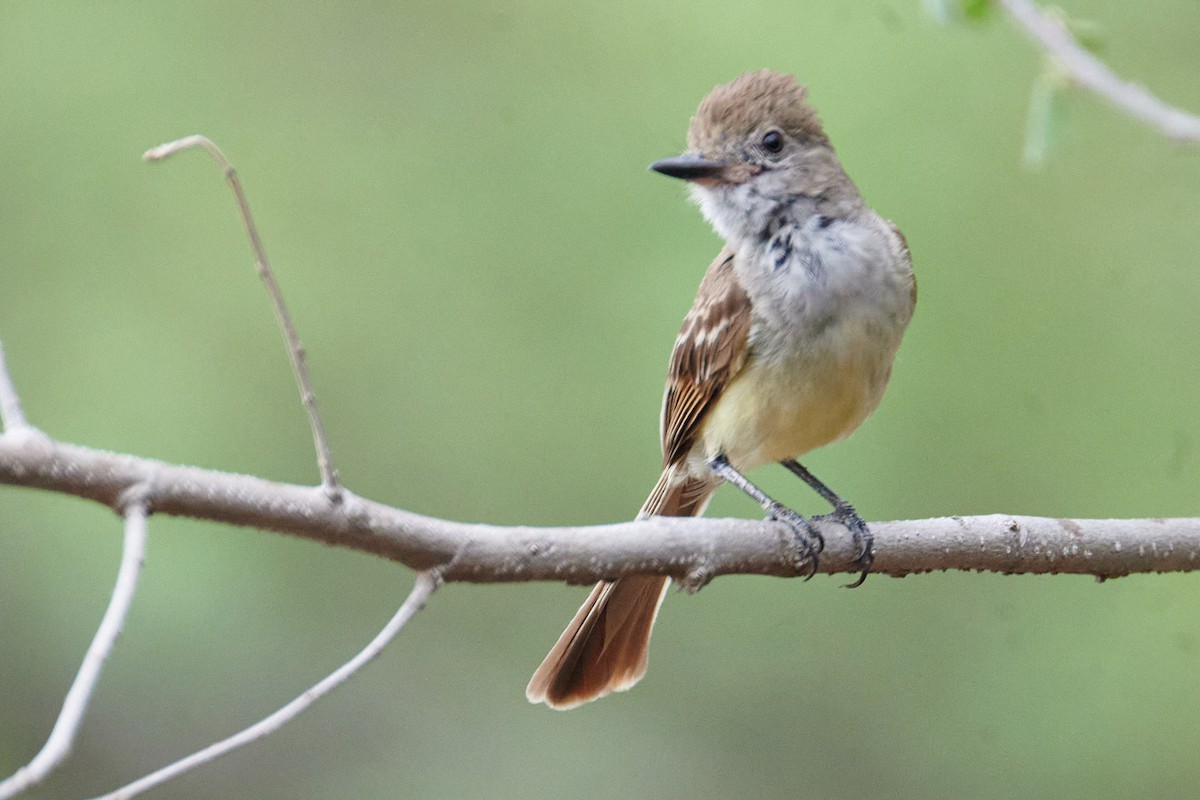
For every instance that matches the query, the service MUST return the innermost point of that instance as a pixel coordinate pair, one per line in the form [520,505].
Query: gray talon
[808,539]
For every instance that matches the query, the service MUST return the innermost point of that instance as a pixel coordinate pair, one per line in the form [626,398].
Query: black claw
[808,539]
[845,514]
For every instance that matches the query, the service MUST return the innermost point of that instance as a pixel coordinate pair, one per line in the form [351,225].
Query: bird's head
[755,146]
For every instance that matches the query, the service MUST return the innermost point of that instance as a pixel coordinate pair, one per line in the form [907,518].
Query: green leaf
[1089,33]
[1046,111]
[976,10]
[947,11]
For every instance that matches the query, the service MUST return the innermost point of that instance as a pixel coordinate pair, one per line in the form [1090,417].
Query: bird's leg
[808,540]
[843,513]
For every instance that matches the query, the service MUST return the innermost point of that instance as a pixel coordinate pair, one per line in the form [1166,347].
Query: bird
[788,347]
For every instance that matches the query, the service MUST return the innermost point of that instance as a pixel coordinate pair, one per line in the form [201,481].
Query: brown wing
[709,351]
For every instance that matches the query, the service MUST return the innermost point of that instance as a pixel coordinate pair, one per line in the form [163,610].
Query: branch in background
[691,550]
[62,736]
[1093,74]
[308,398]
[425,585]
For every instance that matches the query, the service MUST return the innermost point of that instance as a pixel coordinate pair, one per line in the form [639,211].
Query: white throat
[737,212]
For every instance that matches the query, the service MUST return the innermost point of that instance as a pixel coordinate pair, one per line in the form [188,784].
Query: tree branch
[62,736]
[295,349]
[1094,75]
[691,550]
[425,585]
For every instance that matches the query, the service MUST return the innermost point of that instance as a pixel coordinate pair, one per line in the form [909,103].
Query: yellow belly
[774,411]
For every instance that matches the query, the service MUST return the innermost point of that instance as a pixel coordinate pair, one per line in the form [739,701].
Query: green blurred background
[489,281]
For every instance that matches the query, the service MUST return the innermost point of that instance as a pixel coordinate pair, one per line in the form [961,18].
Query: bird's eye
[772,141]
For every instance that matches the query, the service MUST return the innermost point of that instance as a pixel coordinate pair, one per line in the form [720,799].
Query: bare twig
[425,585]
[11,415]
[62,736]
[329,476]
[1094,75]
[690,550]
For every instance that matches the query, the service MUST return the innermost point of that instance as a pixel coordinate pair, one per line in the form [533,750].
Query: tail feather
[604,648]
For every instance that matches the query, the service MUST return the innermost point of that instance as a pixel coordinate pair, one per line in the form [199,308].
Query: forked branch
[308,398]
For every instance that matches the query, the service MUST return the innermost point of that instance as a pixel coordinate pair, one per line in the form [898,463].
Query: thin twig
[62,737]
[425,585]
[11,415]
[1093,74]
[308,398]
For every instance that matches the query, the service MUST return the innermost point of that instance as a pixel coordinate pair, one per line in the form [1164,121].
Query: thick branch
[691,550]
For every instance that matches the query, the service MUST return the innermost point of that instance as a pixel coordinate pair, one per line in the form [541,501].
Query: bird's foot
[809,541]
[844,514]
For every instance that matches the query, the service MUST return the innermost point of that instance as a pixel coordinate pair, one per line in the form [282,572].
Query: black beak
[689,167]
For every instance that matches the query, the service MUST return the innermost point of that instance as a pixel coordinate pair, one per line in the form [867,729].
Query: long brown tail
[604,648]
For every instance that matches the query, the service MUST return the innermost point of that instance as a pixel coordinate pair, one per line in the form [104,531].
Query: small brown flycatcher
[788,347]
